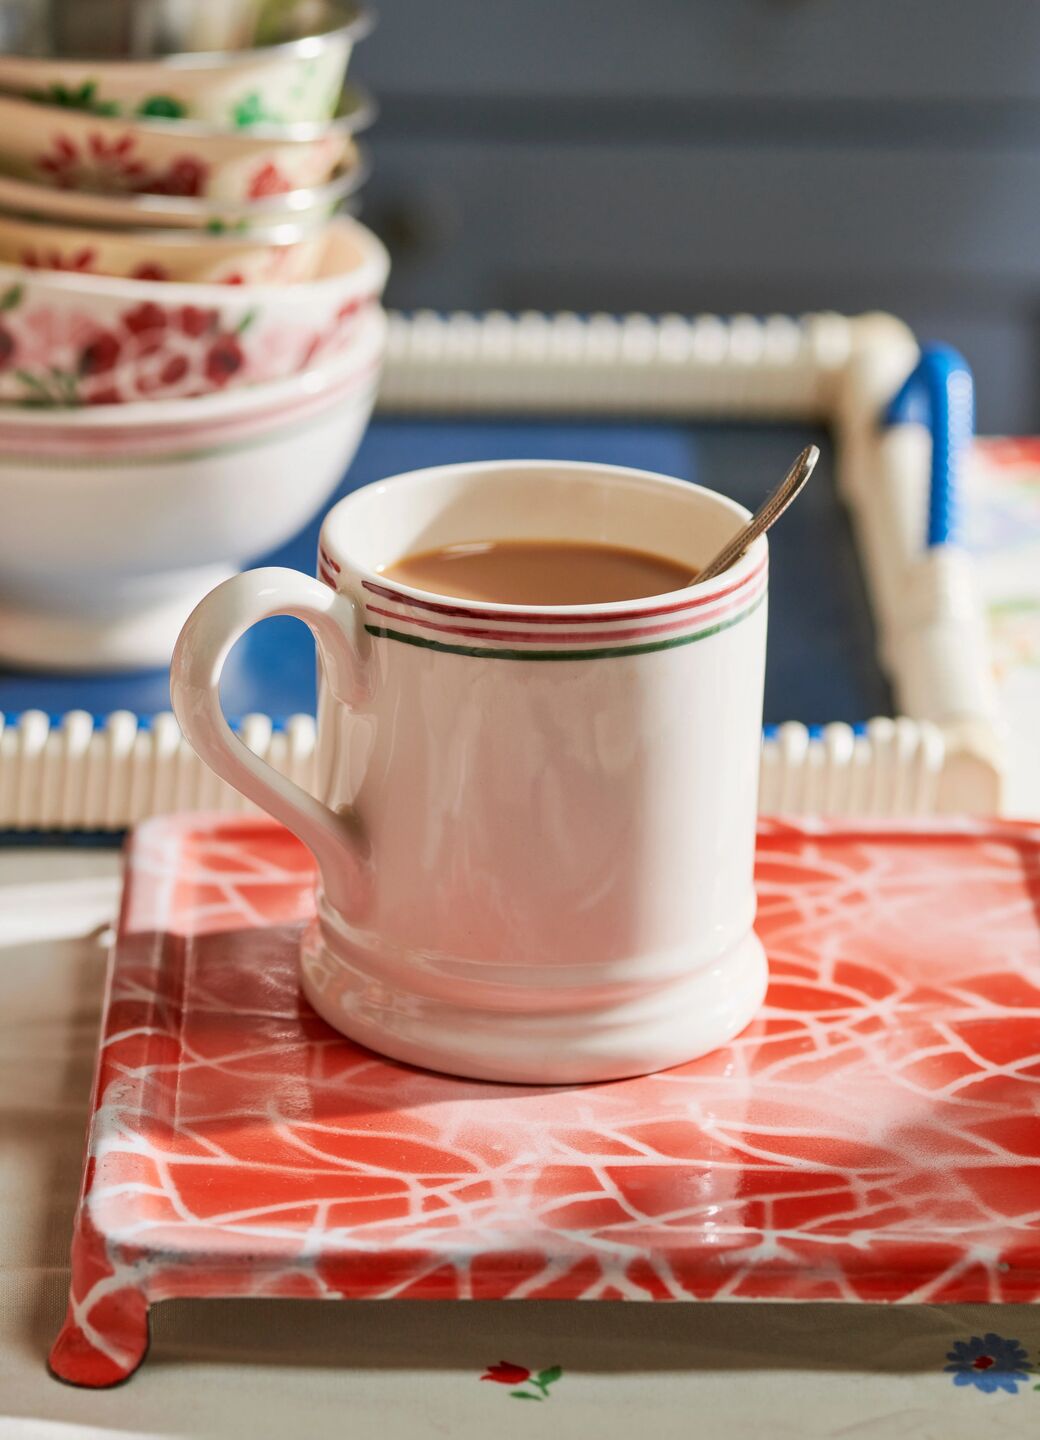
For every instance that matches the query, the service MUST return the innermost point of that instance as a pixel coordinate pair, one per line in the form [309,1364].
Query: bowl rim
[286,233]
[198,410]
[370,273]
[356,110]
[353,20]
[290,202]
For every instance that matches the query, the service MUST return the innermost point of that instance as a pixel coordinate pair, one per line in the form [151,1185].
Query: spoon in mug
[771,510]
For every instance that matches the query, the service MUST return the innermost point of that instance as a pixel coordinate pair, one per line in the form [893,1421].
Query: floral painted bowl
[74,339]
[284,255]
[229,65]
[183,212]
[140,511]
[71,150]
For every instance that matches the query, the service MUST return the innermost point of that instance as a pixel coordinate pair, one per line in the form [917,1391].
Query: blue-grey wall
[721,155]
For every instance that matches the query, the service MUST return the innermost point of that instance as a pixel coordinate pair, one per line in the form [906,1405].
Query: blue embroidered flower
[989,1362]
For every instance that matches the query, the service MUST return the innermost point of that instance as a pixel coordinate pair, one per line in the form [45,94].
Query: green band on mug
[605,652]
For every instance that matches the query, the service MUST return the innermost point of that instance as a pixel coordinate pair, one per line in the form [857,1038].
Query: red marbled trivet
[874,1134]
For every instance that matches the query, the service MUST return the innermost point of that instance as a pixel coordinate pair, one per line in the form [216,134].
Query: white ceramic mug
[535,826]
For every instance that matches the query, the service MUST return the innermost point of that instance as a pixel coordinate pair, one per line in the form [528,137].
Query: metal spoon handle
[764,516]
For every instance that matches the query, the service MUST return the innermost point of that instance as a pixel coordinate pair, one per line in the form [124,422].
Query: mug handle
[221,618]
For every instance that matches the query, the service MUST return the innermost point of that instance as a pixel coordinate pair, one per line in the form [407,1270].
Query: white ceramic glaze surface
[115,527]
[535,826]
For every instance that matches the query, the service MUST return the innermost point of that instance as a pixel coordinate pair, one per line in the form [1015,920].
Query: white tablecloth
[297,1370]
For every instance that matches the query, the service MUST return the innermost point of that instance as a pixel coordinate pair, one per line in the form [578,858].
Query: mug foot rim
[716,1003]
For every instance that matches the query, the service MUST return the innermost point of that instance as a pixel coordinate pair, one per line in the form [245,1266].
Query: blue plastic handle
[940,393]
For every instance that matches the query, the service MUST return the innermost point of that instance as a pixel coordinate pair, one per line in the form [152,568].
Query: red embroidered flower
[109,150]
[82,260]
[224,359]
[105,164]
[186,176]
[506,1374]
[174,370]
[194,321]
[100,355]
[64,149]
[268,180]
[62,162]
[143,318]
[7,347]
[536,1386]
[107,396]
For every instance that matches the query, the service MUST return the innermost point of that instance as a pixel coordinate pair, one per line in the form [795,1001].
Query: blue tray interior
[822,664]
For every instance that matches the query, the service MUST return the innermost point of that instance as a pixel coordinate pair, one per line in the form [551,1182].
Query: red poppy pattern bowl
[141,509]
[78,339]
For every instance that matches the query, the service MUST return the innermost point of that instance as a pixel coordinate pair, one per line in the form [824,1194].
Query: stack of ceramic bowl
[190,327]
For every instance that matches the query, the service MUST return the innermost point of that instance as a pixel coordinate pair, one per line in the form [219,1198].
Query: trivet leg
[105,1335]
